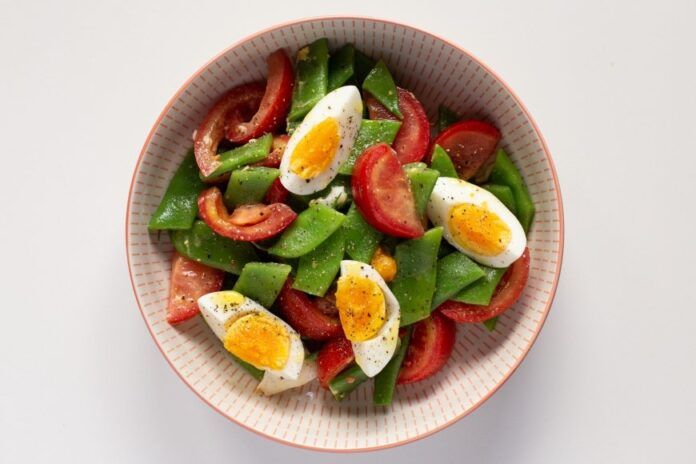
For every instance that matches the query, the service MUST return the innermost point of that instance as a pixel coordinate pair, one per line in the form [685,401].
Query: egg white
[221,309]
[373,354]
[343,104]
[271,383]
[449,192]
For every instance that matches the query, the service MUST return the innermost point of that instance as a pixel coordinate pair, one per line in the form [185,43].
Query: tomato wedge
[236,105]
[273,107]
[471,145]
[305,316]
[190,280]
[334,356]
[412,140]
[431,345]
[247,224]
[383,195]
[277,193]
[276,155]
[506,294]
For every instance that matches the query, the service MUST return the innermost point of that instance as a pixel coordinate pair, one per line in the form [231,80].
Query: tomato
[334,356]
[190,280]
[412,140]
[506,294]
[383,195]
[248,223]
[273,107]
[303,315]
[471,145]
[236,105]
[276,155]
[431,345]
[277,193]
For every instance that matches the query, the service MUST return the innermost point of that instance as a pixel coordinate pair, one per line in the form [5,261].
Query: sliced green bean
[318,268]
[310,228]
[505,173]
[361,239]
[262,282]
[380,84]
[347,381]
[341,66]
[248,186]
[442,163]
[363,66]
[253,151]
[385,381]
[416,275]
[201,244]
[504,194]
[179,205]
[445,118]
[371,132]
[311,78]
[454,272]
[481,291]
[491,323]
[422,181]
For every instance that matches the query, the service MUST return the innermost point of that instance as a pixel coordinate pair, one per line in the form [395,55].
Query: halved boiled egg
[370,315]
[272,384]
[322,142]
[476,223]
[253,334]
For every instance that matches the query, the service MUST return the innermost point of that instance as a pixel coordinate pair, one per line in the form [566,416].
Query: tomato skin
[413,139]
[249,226]
[334,356]
[277,193]
[470,144]
[276,155]
[274,105]
[190,280]
[506,294]
[236,105]
[383,195]
[431,345]
[304,315]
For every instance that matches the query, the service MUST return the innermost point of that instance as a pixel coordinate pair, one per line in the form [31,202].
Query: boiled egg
[322,142]
[476,223]
[370,315]
[253,334]
[272,383]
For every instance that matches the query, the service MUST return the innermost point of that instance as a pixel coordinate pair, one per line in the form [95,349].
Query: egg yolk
[316,150]
[260,340]
[478,229]
[361,307]
[384,264]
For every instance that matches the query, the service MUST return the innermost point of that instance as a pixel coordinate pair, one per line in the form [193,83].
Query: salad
[324,234]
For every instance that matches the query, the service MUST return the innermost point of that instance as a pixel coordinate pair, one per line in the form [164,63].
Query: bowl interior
[438,73]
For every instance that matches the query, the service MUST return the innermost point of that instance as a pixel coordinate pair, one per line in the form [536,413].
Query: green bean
[248,186]
[311,78]
[347,381]
[454,272]
[201,244]
[380,84]
[504,194]
[491,323]
[253,151]
[341,66]
[179,205]
[422,182]
[361,239]
[481,291]
[310,228]
[445,118]
[442,163]
[318,268]
[370,133]
[385,381]
[262,282]
[505,173]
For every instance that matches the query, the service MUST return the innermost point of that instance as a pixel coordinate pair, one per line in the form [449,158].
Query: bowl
[438,72]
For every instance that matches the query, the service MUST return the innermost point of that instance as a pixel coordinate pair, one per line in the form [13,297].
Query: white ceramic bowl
[438,72]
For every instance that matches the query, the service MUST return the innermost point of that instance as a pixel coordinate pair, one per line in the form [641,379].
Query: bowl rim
[547,153]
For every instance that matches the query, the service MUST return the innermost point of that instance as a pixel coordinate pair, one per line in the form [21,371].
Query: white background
[612,86]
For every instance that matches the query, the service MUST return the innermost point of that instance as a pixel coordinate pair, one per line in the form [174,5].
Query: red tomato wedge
[274,105]
[277,193]
[471,145]
[249,223]
[305,316]
[431,345]
[334,356]
[190,280]
[412,140]
[276,155]
[506,294]
[383,194]
[238,104]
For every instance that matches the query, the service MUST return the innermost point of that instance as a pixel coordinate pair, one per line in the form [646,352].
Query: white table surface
[612,375]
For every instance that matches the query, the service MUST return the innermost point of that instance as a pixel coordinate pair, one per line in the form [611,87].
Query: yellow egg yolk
[479,230]
[260,340]
[314,153]
[384,264]
[361,307]
[227,300]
